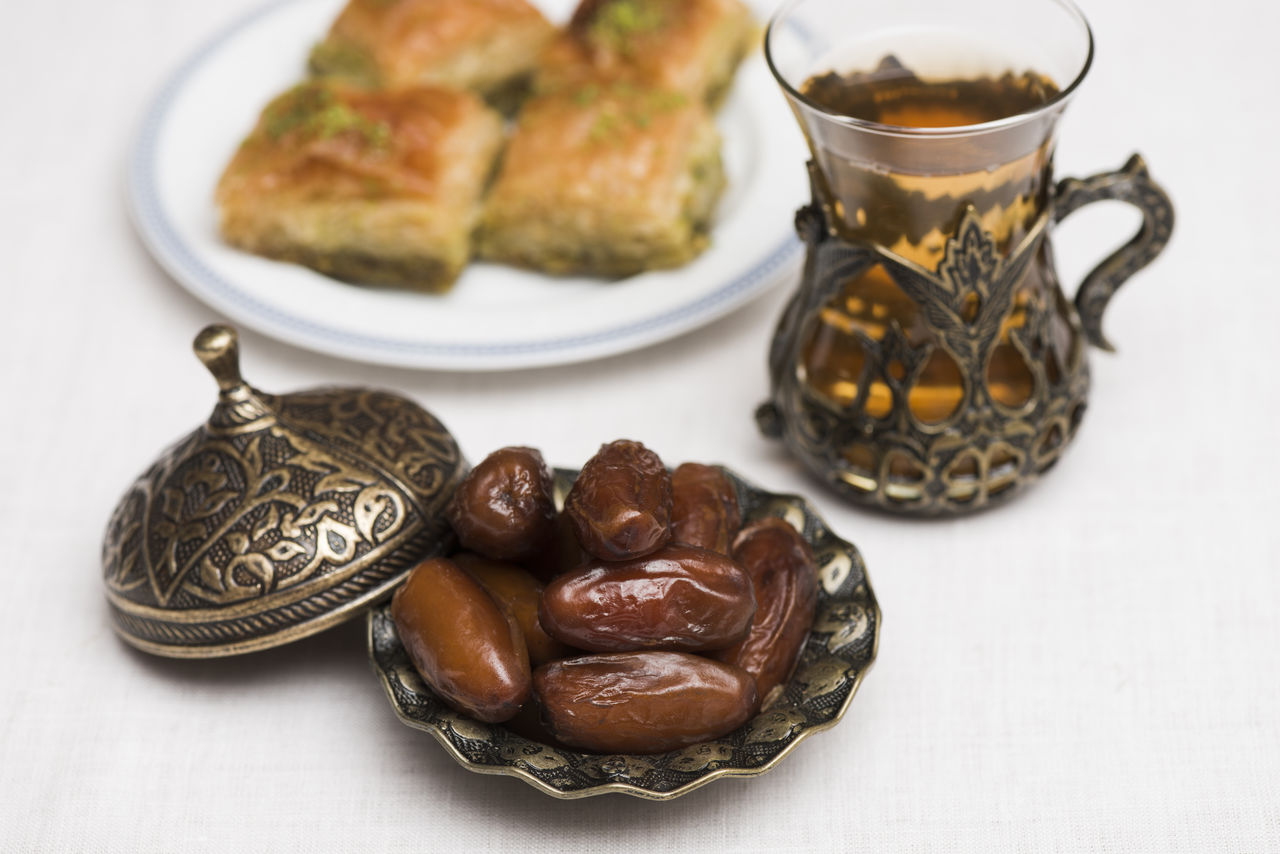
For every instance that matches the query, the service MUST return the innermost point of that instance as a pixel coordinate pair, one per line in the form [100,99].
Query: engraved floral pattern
[305,506]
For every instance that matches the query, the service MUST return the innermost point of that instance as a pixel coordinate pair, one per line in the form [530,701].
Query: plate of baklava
[474,184]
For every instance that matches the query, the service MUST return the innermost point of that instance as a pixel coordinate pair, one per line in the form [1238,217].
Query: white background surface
[1093,667]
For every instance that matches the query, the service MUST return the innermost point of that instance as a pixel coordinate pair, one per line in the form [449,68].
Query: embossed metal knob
[280,516]
[218,347]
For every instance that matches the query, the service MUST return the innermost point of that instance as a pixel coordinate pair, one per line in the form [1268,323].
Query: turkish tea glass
[930,362]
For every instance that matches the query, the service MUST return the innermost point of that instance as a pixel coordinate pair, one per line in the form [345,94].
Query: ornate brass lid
[279,517]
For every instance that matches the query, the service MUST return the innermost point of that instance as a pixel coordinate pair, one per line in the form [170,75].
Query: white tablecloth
[1094,667]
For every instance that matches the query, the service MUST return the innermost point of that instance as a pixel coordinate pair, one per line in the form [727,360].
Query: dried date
[642,702]
[505,507]
[620,505]
[785,580]
[678,598]
[461,642]
[518,593]
[704,507]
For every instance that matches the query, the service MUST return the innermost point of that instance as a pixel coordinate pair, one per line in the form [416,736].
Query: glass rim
[1056,102]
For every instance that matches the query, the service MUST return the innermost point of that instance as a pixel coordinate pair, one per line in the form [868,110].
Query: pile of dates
[642,618]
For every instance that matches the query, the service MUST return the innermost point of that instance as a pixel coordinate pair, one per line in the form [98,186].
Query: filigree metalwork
[280,516]
[988,449]
[840,650]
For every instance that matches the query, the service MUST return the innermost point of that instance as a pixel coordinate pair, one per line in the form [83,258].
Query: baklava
[487,46]
[606,180]
[380,188]
[689,46]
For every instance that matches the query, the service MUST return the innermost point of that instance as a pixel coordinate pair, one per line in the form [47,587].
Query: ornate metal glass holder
[988,451]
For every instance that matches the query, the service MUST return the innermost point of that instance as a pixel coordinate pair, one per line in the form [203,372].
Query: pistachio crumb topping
[586,95]
[618,20]
[338,58]
[605,126]
[316,112]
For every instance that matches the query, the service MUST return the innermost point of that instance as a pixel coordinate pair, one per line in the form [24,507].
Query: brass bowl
[840,650]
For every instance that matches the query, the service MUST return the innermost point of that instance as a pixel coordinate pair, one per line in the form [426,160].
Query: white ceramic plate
[495,317]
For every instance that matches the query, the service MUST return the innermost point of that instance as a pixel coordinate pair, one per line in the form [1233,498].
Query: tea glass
[929,362]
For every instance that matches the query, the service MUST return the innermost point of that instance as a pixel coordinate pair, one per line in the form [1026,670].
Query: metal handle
[1131,184]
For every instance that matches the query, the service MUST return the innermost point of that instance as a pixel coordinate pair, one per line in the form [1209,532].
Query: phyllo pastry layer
[605,180]
[369,187]
[487,46]
[689,46]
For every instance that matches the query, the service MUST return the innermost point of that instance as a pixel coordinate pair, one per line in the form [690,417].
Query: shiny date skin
[505,507]
[461,642]
[518,593]
[678,598]
[785,579]
[642,702]
[620,505]
[704,507]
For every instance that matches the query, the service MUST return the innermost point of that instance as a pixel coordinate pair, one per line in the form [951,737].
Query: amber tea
[912,214]
[893,95]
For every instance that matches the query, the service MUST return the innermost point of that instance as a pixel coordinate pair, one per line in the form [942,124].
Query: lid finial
[218,348]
